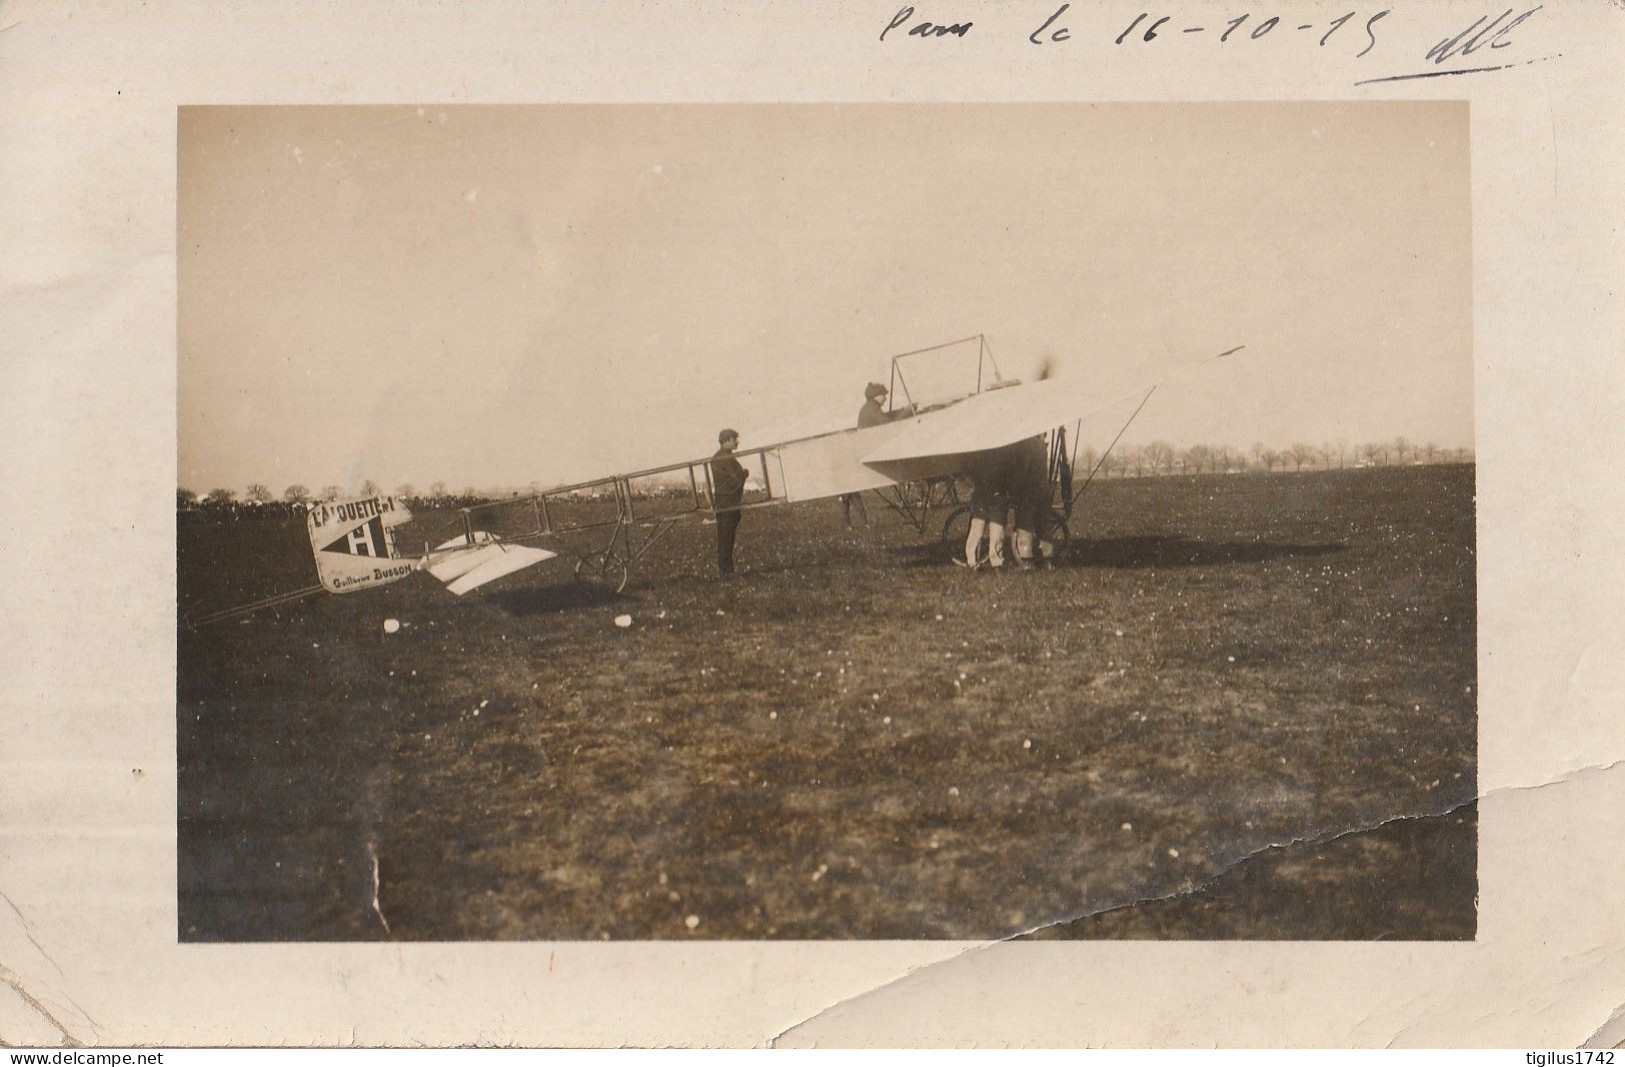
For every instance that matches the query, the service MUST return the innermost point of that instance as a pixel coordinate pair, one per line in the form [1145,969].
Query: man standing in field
[727,493]
[1030,494]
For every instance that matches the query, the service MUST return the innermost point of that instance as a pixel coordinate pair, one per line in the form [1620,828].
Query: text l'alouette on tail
[353,542]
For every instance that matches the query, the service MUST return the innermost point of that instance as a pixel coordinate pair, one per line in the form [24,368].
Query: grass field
[1244,707]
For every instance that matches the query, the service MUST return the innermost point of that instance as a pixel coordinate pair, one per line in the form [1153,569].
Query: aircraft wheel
[603,570]
[955,529]
[1055,532]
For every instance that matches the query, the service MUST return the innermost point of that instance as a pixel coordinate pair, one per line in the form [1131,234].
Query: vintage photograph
[766,522]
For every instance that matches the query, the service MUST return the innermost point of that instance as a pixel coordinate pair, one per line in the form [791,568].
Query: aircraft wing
[832,464]
[936,443]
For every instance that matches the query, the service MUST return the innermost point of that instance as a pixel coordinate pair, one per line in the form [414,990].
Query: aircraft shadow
[554,598]
[921,554]
[1130,553]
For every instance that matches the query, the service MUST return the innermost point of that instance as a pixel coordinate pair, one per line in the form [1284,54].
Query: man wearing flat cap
[727,493]
[871,414]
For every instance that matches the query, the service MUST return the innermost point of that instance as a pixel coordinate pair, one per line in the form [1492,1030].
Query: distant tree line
[259,502]
[1156,458]
[1161,458]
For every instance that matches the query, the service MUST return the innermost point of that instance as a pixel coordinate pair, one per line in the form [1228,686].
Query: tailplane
[354,545]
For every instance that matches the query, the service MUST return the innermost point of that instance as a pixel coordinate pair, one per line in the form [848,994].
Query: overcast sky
[499,295]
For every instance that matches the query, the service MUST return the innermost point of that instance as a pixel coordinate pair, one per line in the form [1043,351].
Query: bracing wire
[1113,445]
[243,610]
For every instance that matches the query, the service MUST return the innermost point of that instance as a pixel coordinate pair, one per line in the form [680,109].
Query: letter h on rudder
[362,541]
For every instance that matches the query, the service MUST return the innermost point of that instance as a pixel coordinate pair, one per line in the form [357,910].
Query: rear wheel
[602,570]
[1052,528]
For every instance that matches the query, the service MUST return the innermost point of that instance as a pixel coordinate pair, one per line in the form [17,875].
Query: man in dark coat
[727,493]
[989,503]
[1030,495]
[870,414]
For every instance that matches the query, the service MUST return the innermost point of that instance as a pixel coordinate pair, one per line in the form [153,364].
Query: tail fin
[353,542]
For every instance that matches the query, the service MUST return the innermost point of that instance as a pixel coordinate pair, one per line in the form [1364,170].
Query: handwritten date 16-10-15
[1245,26]
[1145,27]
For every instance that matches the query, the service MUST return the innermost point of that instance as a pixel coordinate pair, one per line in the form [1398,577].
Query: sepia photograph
[826,522]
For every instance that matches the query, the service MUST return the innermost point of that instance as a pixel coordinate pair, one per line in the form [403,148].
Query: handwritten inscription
[1494,33]
[924,28]
[1478,35]
[1055,36]
[1484,32]
[1245,27]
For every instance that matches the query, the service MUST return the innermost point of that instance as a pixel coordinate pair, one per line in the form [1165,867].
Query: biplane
[915,461]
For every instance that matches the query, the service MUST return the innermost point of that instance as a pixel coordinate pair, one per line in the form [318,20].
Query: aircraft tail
[353,542]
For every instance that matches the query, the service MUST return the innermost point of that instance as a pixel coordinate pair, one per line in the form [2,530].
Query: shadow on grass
[1173,551]
[920,554]
[1132,552]
[556,598]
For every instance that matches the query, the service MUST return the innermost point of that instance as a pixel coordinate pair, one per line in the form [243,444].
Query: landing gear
[602,570]
[1051,527]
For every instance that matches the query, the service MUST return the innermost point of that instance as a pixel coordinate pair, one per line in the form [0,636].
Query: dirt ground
[1244,707]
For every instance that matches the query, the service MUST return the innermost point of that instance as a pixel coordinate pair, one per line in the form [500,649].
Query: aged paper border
[87,797]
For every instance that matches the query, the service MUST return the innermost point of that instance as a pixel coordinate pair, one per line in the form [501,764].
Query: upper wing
[936,442]
[994,419]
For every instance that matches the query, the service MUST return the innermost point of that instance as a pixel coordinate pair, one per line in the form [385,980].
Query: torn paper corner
[787,1037]
[1610,1034]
